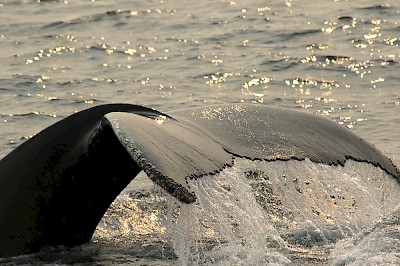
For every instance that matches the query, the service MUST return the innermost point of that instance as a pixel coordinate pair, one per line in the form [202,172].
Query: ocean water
[338,59]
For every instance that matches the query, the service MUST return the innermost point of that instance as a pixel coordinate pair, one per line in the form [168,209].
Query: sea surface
[338,59]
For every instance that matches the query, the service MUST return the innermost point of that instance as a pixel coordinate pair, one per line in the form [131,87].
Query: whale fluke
[55,187]
[169,151]
[268,133]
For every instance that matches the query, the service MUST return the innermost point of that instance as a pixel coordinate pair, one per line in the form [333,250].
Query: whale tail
[55,187]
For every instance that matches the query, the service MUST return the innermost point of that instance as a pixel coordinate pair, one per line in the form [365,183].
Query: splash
[226,226]
[277,212]
[260,213]
[376,245]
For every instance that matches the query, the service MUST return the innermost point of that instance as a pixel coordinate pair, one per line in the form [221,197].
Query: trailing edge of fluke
[55,187]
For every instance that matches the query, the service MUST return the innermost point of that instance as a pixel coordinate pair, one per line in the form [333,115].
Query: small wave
[378,245]
[345,18]
[286,37]
[376,7]
[280,64]
[113,14]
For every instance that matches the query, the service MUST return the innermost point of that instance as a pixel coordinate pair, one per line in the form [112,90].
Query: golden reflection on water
[58,50]
[321,84]
[128,220]
[277,53]
[316,54]
[216,78]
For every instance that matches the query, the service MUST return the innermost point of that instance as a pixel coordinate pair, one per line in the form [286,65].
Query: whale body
[56,186]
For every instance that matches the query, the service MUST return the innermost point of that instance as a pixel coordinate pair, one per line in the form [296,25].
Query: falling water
[260,213]
[227,215]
